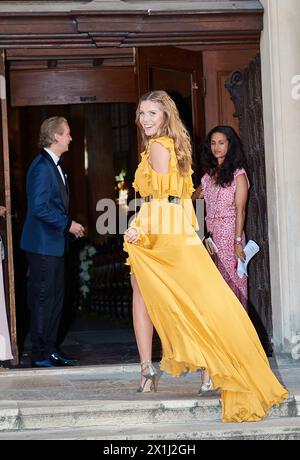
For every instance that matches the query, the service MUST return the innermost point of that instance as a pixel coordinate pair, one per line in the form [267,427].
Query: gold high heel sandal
[206,386]
[150,375]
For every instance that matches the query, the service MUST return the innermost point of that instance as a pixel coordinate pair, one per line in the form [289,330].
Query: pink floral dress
[220,220]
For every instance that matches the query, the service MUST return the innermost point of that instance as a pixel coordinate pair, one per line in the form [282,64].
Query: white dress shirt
[56,159]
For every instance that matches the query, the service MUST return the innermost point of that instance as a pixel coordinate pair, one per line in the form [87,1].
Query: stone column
[280,49]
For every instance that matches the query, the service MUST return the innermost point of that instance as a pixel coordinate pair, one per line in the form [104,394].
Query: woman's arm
[159,158]
[198,193]
[241,197]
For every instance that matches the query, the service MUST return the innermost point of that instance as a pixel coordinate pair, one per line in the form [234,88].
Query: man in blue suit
[45,240]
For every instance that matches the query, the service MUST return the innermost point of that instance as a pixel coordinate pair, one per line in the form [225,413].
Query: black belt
[171,199]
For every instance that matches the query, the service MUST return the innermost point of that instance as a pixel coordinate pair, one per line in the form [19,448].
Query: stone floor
[101,402]
[98,398]
[95,340]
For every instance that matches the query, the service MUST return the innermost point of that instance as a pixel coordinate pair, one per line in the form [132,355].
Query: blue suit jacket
[47,222]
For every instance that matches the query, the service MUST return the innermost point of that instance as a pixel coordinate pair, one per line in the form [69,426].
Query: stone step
[99,401]
[33,415]
[269,429]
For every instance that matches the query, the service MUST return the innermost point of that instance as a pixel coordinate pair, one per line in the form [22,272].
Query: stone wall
[280,50]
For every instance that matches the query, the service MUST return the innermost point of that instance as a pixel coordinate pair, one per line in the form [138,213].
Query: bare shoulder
[158,149]
[159,157]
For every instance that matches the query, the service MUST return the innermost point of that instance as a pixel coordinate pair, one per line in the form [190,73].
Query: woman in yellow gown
[176,286]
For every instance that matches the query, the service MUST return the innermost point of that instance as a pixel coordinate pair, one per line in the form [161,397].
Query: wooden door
[244,87]
[217,66]
[179,73]
[5,198]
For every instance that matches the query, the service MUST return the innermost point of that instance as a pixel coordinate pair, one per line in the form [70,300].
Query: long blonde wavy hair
[172,127]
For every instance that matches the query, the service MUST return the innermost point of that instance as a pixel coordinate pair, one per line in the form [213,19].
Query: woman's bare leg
[205,377]
[142,323]
[206,384]
[143,327]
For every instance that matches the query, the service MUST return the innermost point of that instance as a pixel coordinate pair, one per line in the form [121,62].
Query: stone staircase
[101,403]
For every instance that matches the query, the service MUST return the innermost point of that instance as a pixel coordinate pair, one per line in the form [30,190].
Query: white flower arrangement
[86,267]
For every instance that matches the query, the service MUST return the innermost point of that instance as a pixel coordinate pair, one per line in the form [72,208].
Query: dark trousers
[45,296]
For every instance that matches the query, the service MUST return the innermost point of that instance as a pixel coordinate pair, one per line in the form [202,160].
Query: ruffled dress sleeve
[161,185]
[239,172]
[188,189]
[149,182]
[173,183]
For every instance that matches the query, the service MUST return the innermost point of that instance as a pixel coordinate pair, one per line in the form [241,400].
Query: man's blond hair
[49,128]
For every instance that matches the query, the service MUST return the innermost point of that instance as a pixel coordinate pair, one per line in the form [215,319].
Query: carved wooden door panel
[217,66]
[5,199]
[246,92]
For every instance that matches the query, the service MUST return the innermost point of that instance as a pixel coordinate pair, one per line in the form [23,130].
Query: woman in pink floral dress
[224,188]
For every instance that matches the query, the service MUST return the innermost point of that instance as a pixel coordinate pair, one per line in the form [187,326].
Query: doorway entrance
[99,101]
[102,155]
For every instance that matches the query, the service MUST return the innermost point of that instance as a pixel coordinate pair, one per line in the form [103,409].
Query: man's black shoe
[60,360]
[43,363]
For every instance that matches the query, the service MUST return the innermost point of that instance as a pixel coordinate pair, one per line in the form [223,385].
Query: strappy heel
[206,386]
[150,375]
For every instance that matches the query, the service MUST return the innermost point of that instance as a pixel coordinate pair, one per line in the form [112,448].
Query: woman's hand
[198,193]
[239,252]
[131,235]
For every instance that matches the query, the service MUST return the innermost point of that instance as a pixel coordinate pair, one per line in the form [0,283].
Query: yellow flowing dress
[199,320]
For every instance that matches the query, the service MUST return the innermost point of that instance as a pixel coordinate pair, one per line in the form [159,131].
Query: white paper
[2,251]
[250,250]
